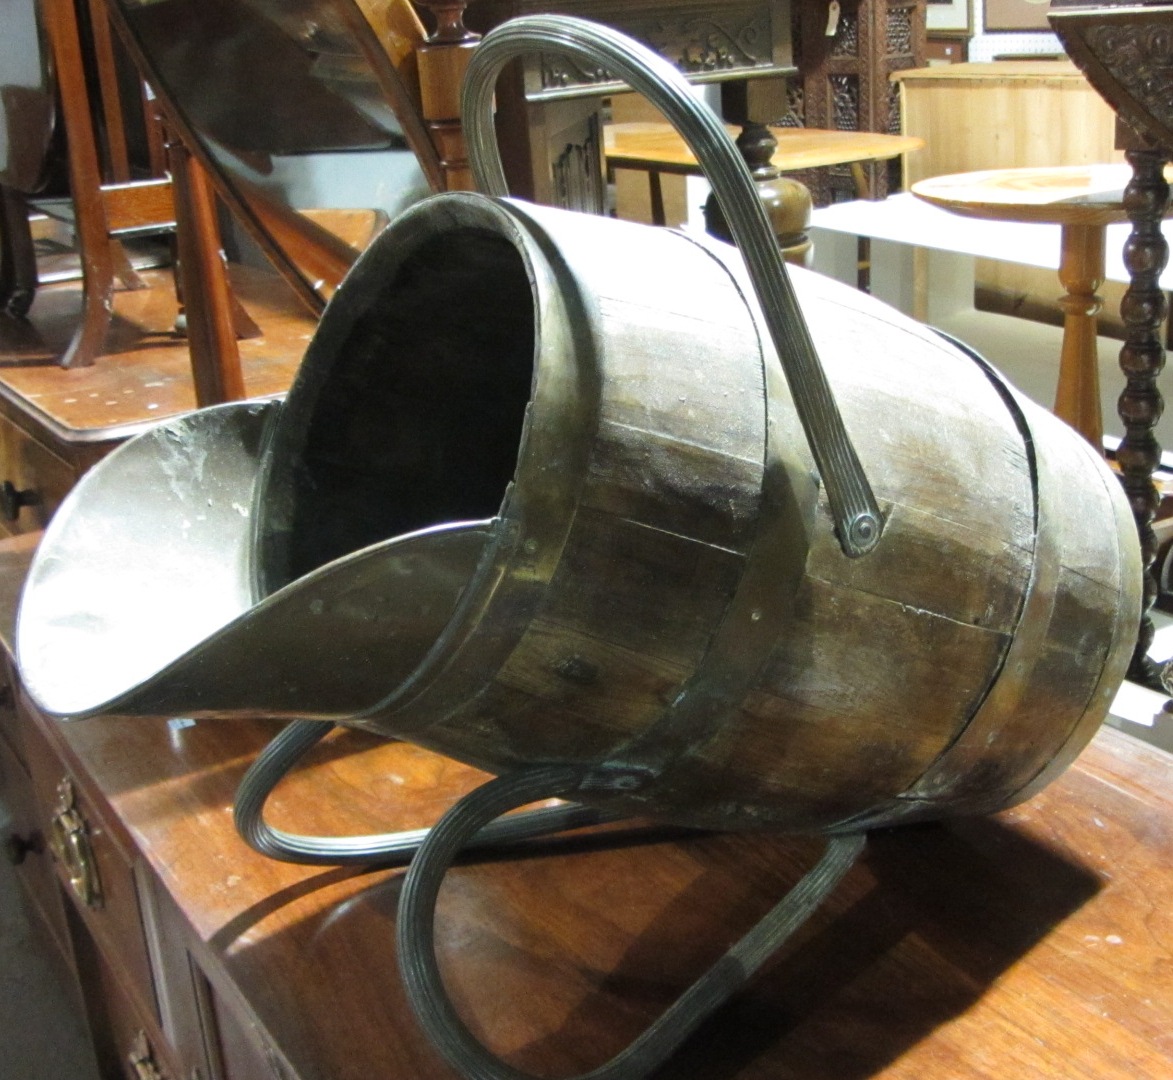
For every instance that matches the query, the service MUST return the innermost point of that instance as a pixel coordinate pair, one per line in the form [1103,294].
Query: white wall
[984,46]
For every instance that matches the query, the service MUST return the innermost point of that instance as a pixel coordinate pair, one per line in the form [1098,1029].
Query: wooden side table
[1083,201]
[1122,48]
[656,148]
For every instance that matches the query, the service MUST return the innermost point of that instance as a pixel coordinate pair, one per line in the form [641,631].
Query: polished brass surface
[70,842]
[401,590]
[141,1059]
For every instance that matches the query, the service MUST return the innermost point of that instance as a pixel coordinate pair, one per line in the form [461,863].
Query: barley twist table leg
[1141,359]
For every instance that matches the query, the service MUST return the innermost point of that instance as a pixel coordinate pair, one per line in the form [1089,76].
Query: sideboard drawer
[33,481]
[92,867]
[25,845]
[127,1041]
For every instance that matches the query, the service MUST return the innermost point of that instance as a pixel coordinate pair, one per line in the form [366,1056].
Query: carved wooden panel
[552,150]
[1129,60]
[707,40]
[845,66]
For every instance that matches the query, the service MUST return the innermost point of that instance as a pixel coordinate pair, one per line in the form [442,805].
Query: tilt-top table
[1083,201]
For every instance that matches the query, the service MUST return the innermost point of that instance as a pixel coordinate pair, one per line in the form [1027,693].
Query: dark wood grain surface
[146,373]
[1035,943]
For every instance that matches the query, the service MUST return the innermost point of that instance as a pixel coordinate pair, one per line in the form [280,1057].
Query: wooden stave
[692,764]
[837,724]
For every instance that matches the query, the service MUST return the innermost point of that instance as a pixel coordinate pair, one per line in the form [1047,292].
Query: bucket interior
[418,419]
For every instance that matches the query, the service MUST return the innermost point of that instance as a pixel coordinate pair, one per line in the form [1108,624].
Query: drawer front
[26,848]
[184,997]
[33,481]
[95,874]
[10,723]
[127,1042]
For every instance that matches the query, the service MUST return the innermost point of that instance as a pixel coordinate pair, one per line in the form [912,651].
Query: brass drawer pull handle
[70,841]
[142,1059]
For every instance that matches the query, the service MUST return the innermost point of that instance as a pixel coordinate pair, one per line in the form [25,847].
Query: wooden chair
[26,135]
[326,68]
[365,47]
[321,75]
[106,202]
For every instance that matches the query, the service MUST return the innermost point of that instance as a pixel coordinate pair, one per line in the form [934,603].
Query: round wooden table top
[1063,195]
[658,146]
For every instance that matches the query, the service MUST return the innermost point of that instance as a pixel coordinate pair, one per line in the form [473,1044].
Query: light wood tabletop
[1083,200]
[993,71]
[1063,195]
[657,146]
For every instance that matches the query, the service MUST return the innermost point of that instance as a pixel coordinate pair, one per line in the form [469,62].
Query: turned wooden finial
[787,201]
[757,145]
[449,16]
[443,60]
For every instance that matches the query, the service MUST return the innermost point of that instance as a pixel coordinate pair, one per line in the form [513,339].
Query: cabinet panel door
[184,999]
[244,1051]
[127,1041]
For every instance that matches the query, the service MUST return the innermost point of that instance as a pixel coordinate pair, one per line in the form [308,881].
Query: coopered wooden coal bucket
[620,553]
[665,591]
[589,505]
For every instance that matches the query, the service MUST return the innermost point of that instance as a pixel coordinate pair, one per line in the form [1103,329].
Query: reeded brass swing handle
[69,840]
[415,933]
[857,515]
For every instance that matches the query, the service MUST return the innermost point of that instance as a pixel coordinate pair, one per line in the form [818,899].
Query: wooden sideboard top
[1034,943]
[1031,944]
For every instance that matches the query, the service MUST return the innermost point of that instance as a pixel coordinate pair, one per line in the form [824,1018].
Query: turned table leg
[1081,272]
[1143,311]
[442,62]
[656,197]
